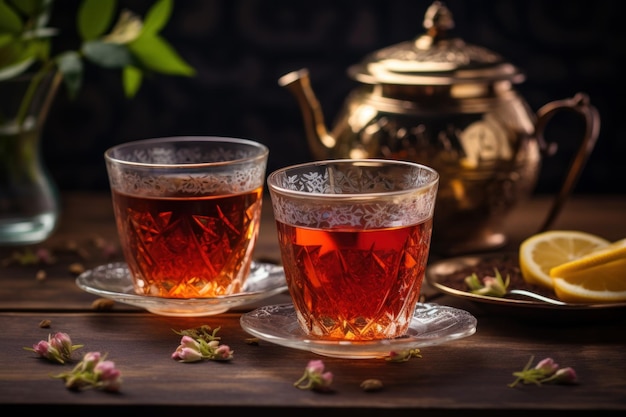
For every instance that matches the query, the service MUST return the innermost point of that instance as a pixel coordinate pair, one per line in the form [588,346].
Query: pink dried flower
[201,343]
[45,255]
[403,355]
[223,352]
[494,286]
[58,348]
[91,359]
[108,375]
[546,371]
[188,350]
[183,354]
[564,376]
[62,342]
[44,350]
[93,372]
[314,377]
[547,366]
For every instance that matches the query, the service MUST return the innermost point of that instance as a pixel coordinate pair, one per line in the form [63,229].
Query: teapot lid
[434,58]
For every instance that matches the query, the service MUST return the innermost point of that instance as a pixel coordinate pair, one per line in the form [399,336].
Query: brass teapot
[440,101]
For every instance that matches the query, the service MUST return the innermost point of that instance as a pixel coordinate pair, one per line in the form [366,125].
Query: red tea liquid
[183,247]
[355,284]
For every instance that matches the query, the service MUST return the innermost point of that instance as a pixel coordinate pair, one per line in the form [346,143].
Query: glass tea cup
[188,211]
[354,237]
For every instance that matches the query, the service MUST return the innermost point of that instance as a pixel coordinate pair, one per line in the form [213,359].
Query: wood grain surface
[466,375]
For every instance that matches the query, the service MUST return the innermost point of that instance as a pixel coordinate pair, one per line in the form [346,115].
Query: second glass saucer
[432,324]
[113,281]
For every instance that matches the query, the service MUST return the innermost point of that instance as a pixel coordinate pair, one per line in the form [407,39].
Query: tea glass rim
[273,185]
[262,154]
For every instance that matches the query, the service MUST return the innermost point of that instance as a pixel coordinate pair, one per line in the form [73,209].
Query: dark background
[241,47]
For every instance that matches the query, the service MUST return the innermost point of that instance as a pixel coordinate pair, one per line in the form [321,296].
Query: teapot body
[451,105]
[484,149]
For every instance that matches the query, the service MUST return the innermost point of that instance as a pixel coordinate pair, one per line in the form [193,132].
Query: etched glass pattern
[157,167]
[369,195]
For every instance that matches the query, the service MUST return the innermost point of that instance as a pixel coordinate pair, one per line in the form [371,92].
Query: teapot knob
[438,19]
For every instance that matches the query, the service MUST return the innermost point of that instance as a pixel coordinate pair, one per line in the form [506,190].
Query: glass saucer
[432,324]
[113,281]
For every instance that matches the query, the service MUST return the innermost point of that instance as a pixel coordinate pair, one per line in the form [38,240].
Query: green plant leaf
[132,78]
[157,16]
[156,54]
[71,66]
[30,7]
[108,55]
[15,69]
[95,17]
[5,42]
[26,40]
[10,21]
[16,55]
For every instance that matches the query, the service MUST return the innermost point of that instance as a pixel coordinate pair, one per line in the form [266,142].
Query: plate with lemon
[583,273]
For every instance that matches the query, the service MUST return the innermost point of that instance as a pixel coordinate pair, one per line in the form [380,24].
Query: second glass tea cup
[355,238]
[188,211]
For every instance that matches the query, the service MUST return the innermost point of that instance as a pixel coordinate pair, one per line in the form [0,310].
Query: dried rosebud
[403,355]
[62,342]
[494,286]
[45,256]
[188,341]
[188,350]
[201,343]
[314,377]
[546,371]
[184,354]
[44,350]
[57,348]
[93,372]
[223,352]
[547,366]
[565,376]
[108,375]
[91,359]
[315,367]
[325,380]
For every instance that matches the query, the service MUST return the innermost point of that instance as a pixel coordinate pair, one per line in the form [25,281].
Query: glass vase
[29,199]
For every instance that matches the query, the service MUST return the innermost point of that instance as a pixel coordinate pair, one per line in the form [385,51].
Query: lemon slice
[539,253]
[598,277]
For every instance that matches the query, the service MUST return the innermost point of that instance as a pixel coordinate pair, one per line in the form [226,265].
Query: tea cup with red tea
[354,237]
[188,211]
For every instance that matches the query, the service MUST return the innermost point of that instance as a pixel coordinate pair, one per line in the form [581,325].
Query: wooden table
[466,375]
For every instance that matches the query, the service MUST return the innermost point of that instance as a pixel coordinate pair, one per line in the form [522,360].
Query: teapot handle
[579,104]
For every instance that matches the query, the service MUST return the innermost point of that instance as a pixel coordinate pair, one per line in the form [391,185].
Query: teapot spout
[321,143]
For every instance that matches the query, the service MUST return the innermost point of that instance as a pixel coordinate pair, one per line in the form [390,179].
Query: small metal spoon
[536,296]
